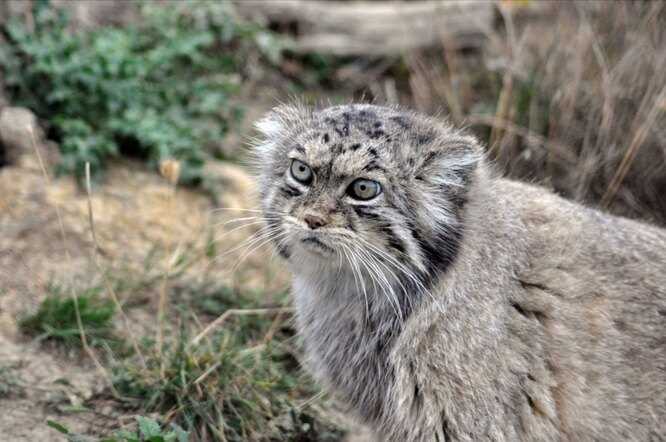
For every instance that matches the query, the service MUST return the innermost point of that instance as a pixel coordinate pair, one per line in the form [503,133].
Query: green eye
[301,172]
[362,189]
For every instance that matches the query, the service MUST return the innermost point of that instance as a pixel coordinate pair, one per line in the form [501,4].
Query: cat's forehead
[361,122]
[352,139]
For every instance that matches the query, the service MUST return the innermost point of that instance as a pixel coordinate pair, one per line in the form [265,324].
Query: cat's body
[533,319]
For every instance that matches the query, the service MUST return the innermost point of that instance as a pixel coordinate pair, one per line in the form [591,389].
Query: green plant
[157,89]
[11,383]
[56,318]
[236,383]
[149,430]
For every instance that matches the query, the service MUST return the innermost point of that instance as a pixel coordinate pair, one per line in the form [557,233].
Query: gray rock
[16,125]
[18,128]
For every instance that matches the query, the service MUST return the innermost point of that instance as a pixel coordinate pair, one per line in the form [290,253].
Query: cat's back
[594,287]
[596,247]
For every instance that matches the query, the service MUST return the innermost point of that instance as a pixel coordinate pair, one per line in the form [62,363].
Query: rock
[232,185]
[16,125]
[18,130]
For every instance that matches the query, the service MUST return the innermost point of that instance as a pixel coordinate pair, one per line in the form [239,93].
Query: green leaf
[181,435]
[58,427]
[149,428]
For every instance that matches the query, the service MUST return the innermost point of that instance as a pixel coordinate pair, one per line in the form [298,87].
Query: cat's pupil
[301,168]
[362,187]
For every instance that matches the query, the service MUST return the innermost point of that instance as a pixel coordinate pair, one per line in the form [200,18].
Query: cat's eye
[362,189]
[301,172]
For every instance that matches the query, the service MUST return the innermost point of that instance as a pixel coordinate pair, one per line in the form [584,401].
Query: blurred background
[138,297]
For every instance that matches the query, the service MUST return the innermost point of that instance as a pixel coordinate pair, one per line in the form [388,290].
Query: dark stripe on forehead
[367,115]
[376,134]
[372,165]
[337,149]
[340,127]
[401,121]
[425,138]
[323,172]
[299,148]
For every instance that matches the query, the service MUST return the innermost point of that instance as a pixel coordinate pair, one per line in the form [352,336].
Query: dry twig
[107,282]
[237,312]
[84,340]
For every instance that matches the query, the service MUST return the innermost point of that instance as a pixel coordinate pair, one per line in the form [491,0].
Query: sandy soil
[135,211]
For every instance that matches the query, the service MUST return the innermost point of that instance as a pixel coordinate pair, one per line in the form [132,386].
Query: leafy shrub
[157,89]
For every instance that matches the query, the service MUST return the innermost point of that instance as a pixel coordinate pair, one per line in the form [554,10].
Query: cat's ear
[451,159]
[447,168]
[280,120]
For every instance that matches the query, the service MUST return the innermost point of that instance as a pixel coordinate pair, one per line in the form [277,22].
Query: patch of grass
[239,382]
[217,299]
[576,104]
[236,379]
[149,430]
[56,317]
[11,384]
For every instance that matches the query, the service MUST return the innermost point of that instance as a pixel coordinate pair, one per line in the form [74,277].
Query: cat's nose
[315,221]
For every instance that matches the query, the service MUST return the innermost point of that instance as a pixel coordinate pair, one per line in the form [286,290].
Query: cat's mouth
[312,242]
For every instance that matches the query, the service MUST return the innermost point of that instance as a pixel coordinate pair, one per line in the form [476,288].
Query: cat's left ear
[451,160]
[448,165]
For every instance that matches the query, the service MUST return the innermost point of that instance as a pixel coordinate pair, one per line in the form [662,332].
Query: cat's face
[363,183]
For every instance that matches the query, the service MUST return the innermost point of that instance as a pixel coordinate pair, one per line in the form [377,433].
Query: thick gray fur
[458,305]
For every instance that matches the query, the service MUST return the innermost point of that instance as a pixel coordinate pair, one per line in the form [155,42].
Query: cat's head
[365,183]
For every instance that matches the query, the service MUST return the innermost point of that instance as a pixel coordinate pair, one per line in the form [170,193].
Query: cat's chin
[313,245]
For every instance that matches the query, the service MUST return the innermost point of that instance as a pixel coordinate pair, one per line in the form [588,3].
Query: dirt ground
[45,238]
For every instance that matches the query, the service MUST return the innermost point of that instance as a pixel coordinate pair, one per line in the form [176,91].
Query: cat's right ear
[269,126]
[279,121]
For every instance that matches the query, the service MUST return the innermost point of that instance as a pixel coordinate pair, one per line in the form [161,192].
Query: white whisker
[352,266]
[228,232]
[377,275]
[256,247]
[257,236]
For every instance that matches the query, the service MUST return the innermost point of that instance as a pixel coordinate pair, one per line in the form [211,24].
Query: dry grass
[572,96]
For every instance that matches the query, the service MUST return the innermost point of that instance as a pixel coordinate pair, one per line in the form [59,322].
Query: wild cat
[442,302]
